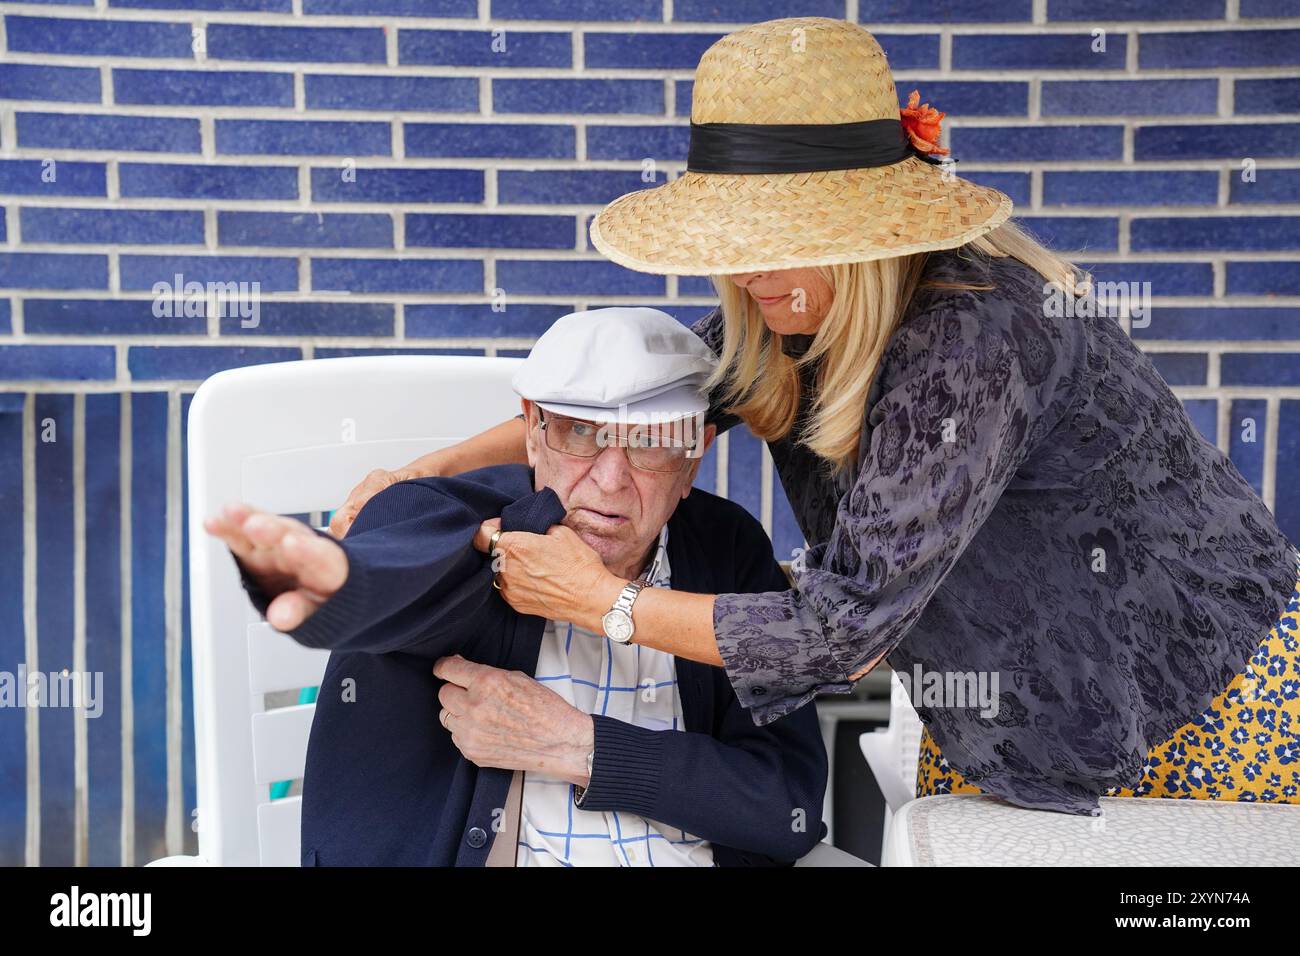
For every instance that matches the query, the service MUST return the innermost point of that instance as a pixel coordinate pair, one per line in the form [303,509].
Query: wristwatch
[617,621]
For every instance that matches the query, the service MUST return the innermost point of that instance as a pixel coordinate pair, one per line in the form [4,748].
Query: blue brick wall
[384,168]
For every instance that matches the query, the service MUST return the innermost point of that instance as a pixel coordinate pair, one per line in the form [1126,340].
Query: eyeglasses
[660,447]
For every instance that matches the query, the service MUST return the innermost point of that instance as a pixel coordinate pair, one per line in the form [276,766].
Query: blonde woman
[993,480]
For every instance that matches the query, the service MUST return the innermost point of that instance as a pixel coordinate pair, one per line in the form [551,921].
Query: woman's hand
[371,485]
[555,575]
[500,445]
[500,718]
[300,569]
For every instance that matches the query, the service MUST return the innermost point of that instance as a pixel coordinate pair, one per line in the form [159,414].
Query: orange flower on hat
[922,123]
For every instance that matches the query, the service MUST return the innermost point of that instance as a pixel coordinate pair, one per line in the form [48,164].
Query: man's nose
[611,470]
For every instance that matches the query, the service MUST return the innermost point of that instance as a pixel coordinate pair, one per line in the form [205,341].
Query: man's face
[614,507]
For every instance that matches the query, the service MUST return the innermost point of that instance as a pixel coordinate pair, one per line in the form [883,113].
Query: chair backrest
[906,723]
[293,438]
[893,752]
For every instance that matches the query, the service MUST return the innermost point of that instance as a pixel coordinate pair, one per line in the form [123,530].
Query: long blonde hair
[761,383]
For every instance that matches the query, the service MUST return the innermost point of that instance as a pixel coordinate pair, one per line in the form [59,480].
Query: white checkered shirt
[627,682]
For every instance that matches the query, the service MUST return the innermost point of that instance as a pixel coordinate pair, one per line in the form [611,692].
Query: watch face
[618,625]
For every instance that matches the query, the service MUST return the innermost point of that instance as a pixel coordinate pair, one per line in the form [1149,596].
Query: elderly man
[450,729]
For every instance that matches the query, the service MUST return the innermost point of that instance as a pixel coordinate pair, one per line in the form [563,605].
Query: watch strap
[628,595]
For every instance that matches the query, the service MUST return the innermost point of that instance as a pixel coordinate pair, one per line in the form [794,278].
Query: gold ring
[446,715]
[496,584]
[492,543]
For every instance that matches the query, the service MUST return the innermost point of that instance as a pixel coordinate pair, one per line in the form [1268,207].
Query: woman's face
[793,301]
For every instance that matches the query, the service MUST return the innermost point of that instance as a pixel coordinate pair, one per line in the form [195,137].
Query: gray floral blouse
[1031,503]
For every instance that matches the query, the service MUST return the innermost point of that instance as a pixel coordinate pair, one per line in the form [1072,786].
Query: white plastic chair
[893,752]
[293,438]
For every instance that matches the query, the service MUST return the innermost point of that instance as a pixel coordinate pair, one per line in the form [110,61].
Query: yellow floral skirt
[1244,746]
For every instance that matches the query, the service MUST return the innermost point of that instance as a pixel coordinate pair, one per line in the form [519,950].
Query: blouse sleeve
[965,400]
[710,329]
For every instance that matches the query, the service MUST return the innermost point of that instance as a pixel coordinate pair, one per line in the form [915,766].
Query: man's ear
[710,432]
[530,434]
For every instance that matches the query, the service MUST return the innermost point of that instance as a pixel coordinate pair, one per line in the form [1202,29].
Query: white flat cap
[590,364]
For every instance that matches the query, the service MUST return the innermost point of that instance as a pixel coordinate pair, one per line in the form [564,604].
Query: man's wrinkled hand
[506,719]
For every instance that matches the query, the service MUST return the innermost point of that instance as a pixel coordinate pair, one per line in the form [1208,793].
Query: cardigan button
[758,691]
[476,837]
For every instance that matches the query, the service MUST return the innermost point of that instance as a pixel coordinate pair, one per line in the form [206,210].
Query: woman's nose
[743,279]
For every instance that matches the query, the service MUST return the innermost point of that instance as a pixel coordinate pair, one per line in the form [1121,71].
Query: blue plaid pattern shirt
[627,682]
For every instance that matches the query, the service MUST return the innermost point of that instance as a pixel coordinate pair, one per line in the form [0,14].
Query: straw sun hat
[799,156]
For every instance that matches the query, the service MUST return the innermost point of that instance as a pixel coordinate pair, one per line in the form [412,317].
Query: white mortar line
[30,624]
[765,488]
[1223,426]
[81,768]
[125,466]
[723,446]
[172,604]
[1269,484]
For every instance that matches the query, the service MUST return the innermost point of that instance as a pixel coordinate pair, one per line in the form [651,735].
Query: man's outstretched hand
[298,568]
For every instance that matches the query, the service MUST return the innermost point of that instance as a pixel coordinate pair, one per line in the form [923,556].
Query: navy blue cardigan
[384,784]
